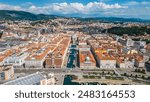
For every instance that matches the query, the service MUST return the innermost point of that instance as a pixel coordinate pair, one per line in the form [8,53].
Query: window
[2,76]
[17,61]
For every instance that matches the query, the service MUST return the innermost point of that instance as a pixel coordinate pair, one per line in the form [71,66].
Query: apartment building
[139,44]
[4,55]
[129,50]
[106,61]
[139,61]
[6,72]
[17,59]
[124,61]
[121,62]
[55,59]
[36,60]
[103,58]
[126,42]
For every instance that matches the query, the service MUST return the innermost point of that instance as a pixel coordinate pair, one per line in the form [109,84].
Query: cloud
[9,7]
[65,8]
[96,9]
[131,3]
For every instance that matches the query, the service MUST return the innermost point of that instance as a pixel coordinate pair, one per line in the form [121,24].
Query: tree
[114,73]
[136,76]
[143,77]
[143,71]
[136,70]
[129,30]
[125,74]
[103,73]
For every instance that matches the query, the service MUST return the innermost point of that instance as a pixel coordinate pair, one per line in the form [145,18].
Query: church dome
[87,59]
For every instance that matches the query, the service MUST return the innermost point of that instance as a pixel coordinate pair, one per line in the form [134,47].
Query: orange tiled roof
[105,56]
[6,54]
[84,54]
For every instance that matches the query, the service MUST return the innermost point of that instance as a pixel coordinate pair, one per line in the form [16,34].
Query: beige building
[125,63]
[104,60]
[6,72]
[86,60]
[139,61]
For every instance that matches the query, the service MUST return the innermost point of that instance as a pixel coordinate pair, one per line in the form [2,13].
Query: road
[60,73]
[55,71]
[76,71]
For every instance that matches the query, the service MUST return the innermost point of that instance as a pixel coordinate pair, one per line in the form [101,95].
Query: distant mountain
[22,15]
[115,19]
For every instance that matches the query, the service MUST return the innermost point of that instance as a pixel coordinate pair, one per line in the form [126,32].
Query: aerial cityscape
[44,49]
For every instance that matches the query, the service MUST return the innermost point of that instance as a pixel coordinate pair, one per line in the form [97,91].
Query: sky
[82,8]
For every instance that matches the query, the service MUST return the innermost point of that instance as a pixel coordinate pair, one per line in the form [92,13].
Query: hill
[22,15]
